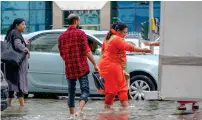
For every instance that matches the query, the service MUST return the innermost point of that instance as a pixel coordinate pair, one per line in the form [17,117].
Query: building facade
[94,15]
[37,14]
[132,13]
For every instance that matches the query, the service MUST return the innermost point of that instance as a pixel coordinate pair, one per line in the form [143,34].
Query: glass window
[26,29]
[138,26]
[95,48]
[89,17]
[4,29]
[37,5]
[157,13]
[55,49]
[157,3]
[101,37]
[48,18]
[126,15]
[138,5]
[65,16]
[131,27]
[14,5]
[89,27]
[141,15]
[113,4]
[131,43]
[37,17]
[9,16]
[114,15]
[45,43]
[49,5]
[48,27]
[86,17]
[126,4]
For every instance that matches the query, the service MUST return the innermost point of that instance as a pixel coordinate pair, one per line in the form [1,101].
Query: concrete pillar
[57,17]
[105,16]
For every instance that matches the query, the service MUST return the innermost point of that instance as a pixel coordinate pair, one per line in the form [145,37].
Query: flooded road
[56,109]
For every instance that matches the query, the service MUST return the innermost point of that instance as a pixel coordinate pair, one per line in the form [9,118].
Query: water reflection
[15,111]
[195,116]
[52,109]
[113,116]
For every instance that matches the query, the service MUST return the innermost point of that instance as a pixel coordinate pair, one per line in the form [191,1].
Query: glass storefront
[88,19]
[37,14]
[133,13]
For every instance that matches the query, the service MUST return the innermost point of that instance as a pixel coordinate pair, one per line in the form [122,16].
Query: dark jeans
[84,86]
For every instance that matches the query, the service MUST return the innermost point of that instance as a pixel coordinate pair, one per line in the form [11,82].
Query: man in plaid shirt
[74,50]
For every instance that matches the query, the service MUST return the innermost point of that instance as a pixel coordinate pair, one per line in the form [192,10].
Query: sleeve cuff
[88,49]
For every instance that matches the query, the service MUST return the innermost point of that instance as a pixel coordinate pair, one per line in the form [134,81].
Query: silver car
[46,67]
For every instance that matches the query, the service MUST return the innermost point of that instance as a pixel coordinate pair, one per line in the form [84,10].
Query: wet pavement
[56,109]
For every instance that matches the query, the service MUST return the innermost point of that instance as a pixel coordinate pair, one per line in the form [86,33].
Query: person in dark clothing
[74,50]
[93,46]
[19,75]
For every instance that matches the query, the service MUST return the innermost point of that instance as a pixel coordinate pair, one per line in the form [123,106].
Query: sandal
[181,108]
[195,107]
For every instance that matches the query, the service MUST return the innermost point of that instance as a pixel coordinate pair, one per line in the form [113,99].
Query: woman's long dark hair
[13,26]
[116,26]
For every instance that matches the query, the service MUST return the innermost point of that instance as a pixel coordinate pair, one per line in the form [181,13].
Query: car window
[101,37]
[95,48]
[131,43]
[45,43]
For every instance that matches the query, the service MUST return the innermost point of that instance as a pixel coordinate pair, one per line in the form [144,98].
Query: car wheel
[139,84]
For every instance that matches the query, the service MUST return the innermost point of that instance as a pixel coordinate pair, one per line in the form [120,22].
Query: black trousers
[18,94]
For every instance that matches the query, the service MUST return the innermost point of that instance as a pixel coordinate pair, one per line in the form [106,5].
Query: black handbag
[10,56]
[99,82]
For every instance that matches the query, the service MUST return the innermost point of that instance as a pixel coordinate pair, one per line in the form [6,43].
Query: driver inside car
[93,46]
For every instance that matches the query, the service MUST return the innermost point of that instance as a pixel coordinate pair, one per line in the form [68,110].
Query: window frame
[39,35]
[95,41]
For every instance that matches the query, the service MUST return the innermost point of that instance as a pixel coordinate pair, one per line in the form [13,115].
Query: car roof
[90,33]
[30,35]
[62,30]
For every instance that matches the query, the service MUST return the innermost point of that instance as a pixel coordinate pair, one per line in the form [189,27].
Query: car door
[96,55]
[46,67]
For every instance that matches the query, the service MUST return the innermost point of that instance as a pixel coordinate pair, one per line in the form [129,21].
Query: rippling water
[53,109]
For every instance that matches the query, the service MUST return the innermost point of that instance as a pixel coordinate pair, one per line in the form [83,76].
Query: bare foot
[195,106]
[78,113]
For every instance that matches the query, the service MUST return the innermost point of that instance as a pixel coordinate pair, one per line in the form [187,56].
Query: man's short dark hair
[72,18]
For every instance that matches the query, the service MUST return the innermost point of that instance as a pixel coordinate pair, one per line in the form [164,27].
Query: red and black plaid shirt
[73,47]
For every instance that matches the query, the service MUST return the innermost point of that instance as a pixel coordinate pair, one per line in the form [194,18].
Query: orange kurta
[111,64]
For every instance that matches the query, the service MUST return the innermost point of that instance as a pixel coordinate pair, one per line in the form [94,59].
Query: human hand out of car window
[146,50]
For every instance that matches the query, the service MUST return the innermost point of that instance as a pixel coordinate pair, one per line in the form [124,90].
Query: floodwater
[56,109]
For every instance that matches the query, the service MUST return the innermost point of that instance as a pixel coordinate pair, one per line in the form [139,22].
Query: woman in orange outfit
[182,106]
[112,62]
